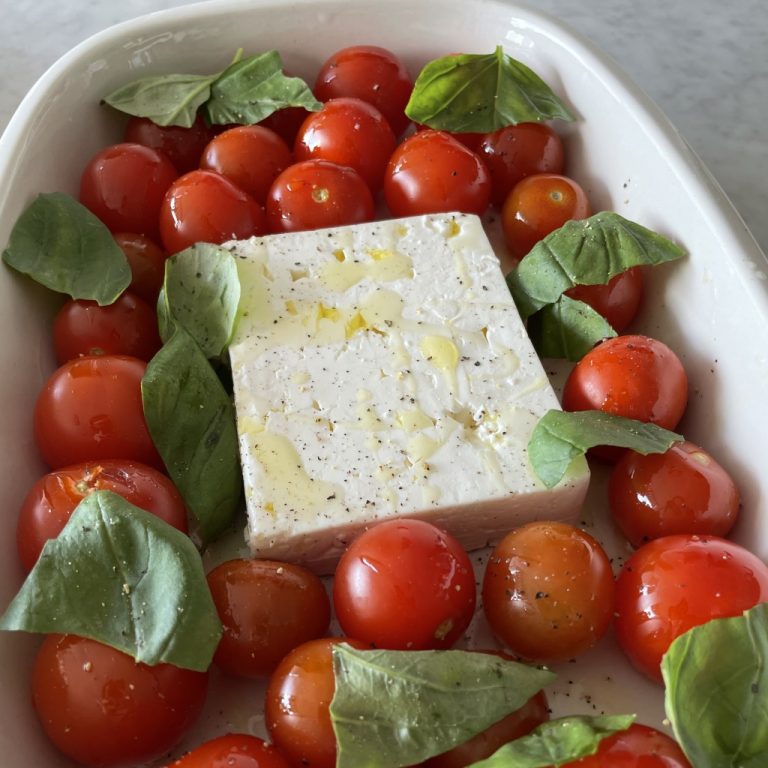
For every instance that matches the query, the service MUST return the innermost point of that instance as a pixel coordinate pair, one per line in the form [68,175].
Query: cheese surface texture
[382,370]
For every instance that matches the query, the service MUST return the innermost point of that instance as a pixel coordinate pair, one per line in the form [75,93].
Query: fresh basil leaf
[254,88]
[556,742]
[567,328]
[192,423]
[122,576]
[716,678]
[59,243]
[586,252]
[384,698]
[560,436]
[481,93]
[201,292]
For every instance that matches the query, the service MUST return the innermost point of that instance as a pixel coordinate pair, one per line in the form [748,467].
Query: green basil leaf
[586,252]
[561,436]
[201,292]
[481,93]
[383,700]
[192,423]
[59,243]
[567,328]
[557,742]
[122,576]
[254,88]
[716,678]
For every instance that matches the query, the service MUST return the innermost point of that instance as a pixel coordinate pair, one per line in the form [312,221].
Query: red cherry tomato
[267,609]
[675,583]
[432,172]
[683,490]
[538,205]
[618,301]
[124,186]
[250,156]
[517,151]
[52,499]
[286,123]
[298,696]
[126,327]
[203,206]
[235,750]
[405,584]
[637,747]
[101,708]
[372,74]
[182,146]
[348,132]
[90,409]
[147,263]
[316,194]
[548,591]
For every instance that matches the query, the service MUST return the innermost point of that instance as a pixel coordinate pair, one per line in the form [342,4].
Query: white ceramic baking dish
[712,308]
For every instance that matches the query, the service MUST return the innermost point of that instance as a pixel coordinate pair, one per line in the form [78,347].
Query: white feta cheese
[382,370]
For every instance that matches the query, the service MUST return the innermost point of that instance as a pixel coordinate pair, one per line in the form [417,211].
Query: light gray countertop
[705,63]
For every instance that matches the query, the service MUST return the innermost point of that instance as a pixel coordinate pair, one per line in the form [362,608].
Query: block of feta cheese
[382,370]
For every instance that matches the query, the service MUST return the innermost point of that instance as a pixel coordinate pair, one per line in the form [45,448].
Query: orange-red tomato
[147,263]
[618,300]
[234,750]
[182,146]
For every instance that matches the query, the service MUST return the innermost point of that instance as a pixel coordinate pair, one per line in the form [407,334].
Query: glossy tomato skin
[50,502]
[675,583]
[182,146]
[618,300]
[683,490]
[637,747]
[124,186]
[405,584]
[128,326]
[315,194]
[548,591]
[234,750]
[147,262]
[373,74]
[267,608]
[432,172]
[203,206]
[101,708]
[90,409]
[517,151]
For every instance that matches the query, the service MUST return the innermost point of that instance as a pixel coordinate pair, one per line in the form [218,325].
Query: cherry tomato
[52,499]
[675,583]
[101,708]
[90,409]
[538,205]
[683,490]
[286,123]
[203,206]
[182,146]
[637,747]
[250,156]
[404,584]
[548,591]
[124,186]
[298,696]
[267,609]
[618,300]
[432,172]
[348,132]
[372,74]
[519,723]
[126,327]
[469,140]
[147,263]
[315,194]
[235,750]
[517,151]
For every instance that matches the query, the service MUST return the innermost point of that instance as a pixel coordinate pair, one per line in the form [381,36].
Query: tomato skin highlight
[147,263]
[267,609]
[404,584]
[101,708]
[675,583]
[548,591]
[618,300]
[234,750]
[683,490]
[182,146]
